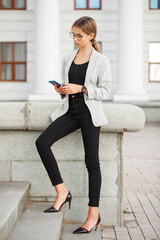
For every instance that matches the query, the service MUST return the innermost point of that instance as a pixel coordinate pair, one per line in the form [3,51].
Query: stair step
[34,224]
[67,233]
[13,197]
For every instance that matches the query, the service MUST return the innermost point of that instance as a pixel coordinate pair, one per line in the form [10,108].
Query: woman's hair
[88,25]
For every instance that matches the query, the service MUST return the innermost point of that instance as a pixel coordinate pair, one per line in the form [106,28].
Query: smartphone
[54,82]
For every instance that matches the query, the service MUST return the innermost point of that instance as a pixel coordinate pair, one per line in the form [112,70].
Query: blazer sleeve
[63,75]
[103,88]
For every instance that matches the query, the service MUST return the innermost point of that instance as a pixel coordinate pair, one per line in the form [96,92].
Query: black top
[77,73]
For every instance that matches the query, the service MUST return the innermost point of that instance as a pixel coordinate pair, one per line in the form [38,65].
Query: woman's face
[84,38]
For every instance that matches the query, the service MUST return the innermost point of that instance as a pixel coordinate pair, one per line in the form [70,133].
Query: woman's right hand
[58,89]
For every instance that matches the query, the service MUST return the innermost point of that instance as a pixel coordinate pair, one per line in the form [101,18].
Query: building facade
[34,36]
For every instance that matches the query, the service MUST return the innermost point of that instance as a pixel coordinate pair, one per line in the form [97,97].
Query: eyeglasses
[78,36]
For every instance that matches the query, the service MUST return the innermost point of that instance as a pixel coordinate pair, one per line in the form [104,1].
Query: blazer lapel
[90,67]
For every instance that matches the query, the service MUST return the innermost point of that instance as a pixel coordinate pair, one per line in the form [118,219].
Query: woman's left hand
[71,88]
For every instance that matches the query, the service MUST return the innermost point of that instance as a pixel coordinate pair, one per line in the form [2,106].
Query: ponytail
[95,45]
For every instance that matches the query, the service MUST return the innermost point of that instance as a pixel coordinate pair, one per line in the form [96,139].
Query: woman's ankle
[61,189]
[93,213]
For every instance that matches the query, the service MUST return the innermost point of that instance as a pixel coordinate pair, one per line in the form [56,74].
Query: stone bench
[20,125]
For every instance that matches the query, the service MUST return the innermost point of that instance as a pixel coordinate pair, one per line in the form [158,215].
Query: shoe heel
[96,227]
[99,219]
[69,204]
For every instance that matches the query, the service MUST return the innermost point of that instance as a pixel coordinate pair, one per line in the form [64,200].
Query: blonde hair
[88,25]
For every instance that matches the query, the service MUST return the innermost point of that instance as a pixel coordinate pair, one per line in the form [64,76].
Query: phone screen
[54,82]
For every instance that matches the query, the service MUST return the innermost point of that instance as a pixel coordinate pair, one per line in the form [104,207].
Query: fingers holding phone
[59,89]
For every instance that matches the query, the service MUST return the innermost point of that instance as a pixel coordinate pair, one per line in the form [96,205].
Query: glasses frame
[72,35]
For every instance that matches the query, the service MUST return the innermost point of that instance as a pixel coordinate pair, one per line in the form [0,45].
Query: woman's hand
[69,88]
[57,88]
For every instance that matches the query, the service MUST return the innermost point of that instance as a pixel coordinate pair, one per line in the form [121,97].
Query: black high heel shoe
[68,199]
[84,230]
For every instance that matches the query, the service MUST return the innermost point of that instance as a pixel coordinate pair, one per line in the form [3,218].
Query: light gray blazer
[98,82]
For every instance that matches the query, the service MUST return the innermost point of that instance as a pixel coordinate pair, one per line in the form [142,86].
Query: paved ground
[141,187]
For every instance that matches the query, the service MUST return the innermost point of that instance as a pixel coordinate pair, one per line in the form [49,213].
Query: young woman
[86,77]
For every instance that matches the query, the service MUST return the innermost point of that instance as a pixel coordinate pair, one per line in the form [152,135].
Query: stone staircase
[21,219]
[13,197]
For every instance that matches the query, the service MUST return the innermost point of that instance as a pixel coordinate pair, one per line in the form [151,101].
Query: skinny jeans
[77,116]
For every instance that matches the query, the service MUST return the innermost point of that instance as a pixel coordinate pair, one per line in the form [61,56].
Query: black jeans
[77,116]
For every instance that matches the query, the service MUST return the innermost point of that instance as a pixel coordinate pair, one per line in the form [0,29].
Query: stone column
[46,50]
[130,62]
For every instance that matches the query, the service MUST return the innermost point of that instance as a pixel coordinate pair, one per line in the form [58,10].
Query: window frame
[149,63]
[12,6]
[152,81]
[154,8]
[87,8]
[13,63]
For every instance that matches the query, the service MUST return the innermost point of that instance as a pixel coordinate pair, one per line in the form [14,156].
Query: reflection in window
[6,72]
[20,72]
[155,72]
[12,4]
[154,4]
[20,50]
[6,4]
[94,4]
[87,4]
[19,4]
[6,52]
[12,61]
[81,4]
[154,61]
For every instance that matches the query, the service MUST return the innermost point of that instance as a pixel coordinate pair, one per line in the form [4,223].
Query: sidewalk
[141,156]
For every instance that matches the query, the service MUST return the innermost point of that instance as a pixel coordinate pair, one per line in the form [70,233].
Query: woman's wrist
[86,92]
[80,89]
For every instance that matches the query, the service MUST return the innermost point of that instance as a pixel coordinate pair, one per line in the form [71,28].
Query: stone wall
[20,125]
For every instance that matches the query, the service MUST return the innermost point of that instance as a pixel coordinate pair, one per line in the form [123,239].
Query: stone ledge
[36,116]
[146,104]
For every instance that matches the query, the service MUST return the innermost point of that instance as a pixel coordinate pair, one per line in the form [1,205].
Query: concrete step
[13,198]
[67,233]
[34,224]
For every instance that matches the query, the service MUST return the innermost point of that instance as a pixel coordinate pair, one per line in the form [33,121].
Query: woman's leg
[90,135]
[61,127]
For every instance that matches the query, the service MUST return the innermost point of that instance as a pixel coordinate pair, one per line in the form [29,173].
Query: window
[154,4]
[12,4]
[12,61]
[87,4]
[154,62]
